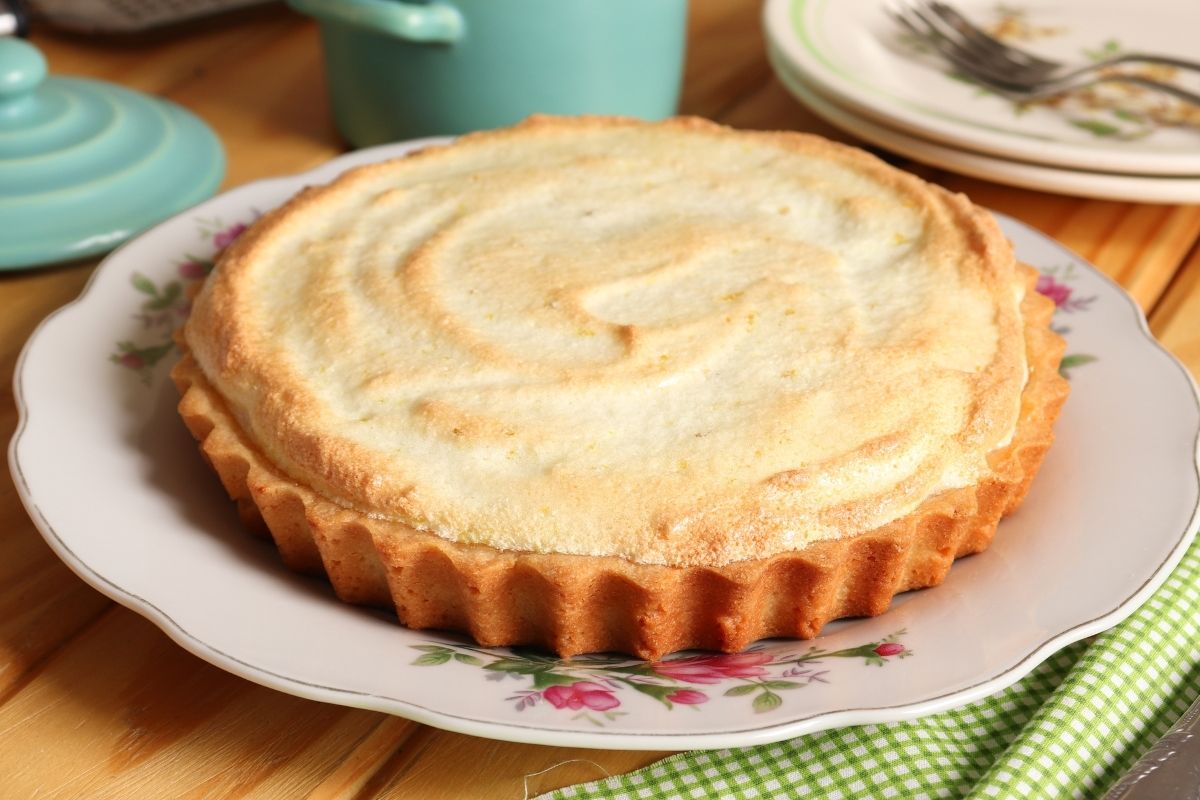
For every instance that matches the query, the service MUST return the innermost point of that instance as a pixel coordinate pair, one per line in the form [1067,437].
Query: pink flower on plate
[580,695]
[889,649]
[222,239]
[132,360]
[688,697]
[1060,293]
[192,270]
[714,669]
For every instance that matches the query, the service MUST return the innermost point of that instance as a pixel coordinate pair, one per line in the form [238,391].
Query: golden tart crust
[708,573]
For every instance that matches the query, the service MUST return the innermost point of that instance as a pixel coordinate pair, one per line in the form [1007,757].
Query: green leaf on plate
[767,701]
[543,679]
[143,284]
[153,354]
[171,293]
[1107,50]
[1072,361]
[654,690]
[432,659]
[1096,127]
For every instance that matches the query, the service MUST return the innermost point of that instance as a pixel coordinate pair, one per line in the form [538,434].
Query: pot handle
[434,23]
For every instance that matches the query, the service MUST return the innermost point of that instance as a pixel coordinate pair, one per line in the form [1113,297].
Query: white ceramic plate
[853,52]
[1106,186]
[115,483]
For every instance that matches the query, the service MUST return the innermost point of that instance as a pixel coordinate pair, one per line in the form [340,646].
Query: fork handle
[1018,92]
[1068,84]
[1148,58]
[1171,768]
[1149,83]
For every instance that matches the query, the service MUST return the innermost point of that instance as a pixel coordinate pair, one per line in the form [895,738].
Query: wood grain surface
[96,702]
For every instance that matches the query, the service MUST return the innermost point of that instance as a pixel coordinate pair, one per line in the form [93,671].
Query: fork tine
[994,68]
[968,58]
[1019,59]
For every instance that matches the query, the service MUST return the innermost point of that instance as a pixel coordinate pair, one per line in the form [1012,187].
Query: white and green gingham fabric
[1071,728]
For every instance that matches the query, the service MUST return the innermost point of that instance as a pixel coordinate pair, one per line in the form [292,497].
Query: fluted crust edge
[574,604]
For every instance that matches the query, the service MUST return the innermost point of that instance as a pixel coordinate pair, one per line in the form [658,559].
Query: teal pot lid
[85,164]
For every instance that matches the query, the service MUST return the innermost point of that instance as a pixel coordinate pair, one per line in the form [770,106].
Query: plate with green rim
[854,53]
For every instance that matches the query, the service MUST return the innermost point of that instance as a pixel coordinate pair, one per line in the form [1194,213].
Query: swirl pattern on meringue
[671,343]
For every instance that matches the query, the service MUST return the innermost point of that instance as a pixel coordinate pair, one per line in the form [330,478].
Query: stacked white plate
[853,65]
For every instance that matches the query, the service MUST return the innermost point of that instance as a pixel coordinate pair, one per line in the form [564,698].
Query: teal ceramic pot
[400,70]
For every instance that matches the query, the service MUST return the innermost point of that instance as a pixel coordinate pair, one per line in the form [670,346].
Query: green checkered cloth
[1071,728]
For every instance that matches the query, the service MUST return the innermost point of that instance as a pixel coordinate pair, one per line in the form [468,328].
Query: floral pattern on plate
[594,685]
[1055,283]
[167,303]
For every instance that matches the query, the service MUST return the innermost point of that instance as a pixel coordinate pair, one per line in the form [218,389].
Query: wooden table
[142,717]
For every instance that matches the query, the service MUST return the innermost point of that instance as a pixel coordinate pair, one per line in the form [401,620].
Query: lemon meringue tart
[602,385]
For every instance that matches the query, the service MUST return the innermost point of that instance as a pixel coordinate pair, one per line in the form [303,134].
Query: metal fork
[1171,768]
[1019,73]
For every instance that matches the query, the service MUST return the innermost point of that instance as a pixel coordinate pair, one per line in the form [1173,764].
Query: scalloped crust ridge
[574,604]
